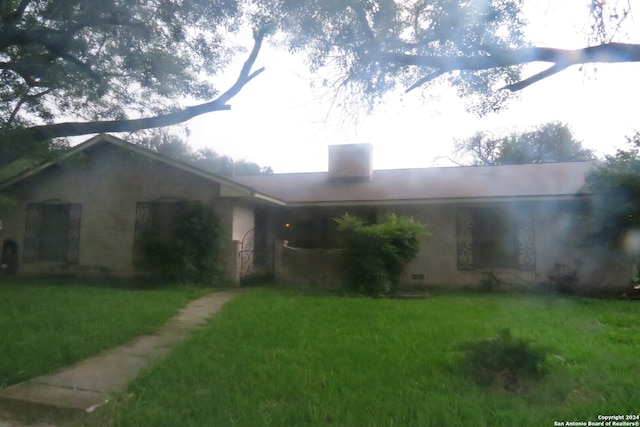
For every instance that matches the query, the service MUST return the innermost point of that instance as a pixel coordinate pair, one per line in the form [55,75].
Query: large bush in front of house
[374,255]
[191,253]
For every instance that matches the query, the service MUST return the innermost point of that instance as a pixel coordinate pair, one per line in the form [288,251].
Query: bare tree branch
[24,99]
[425,79]
[562,58]
[31,77]
[556,68]
[60,130]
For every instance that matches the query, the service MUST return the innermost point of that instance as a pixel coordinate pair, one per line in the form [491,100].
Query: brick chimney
[351,162]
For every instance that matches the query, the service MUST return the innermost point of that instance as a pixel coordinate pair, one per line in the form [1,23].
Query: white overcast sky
[278,120]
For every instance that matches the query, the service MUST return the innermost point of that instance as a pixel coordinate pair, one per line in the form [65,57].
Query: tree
[478,45]
[616,188]
[124,65]
[224,165]
[551,142]
[111,61]
[173,146]
[374,44]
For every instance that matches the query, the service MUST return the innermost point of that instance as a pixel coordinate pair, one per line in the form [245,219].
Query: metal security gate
[247,253]
[255,258]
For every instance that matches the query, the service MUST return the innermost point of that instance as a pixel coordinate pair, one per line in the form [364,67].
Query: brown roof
[239,188]
[427,185]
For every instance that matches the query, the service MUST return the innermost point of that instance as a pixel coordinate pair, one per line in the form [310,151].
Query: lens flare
[631,242]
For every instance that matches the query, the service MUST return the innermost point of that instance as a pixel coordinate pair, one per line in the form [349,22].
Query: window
[495,238]
[52,233]
[494,241]
[54,225]
[317,228]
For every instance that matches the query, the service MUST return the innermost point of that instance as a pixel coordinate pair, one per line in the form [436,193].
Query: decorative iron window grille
[52,232]
[142,226]
[486,240]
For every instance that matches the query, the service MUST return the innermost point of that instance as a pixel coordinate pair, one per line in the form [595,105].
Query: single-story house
[84,212]
[514,224]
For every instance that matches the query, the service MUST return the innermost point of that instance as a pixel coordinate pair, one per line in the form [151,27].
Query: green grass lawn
[49,324]
[285,358]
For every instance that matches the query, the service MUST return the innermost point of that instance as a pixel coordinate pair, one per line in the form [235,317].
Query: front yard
[48,324]
[278,357]
[290,358]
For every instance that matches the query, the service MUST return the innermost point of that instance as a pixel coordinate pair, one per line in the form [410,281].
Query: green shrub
[192,253]
[503,360]
[374,255]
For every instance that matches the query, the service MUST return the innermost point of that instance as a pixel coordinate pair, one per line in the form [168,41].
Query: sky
[279,120]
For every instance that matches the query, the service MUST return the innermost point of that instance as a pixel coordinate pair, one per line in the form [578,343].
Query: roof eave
[270,199]
[39,168]
[439,201]
[245,190]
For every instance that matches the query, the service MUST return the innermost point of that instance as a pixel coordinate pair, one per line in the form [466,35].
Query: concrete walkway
[89,384]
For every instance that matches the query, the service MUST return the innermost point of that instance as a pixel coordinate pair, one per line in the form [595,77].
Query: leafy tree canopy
[118,65]
[616,184]
[551,142]
[125,65]
[173,146]
[477,45]
[104,59]
[375,44]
